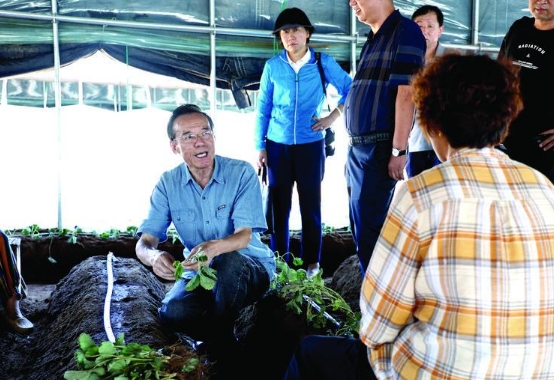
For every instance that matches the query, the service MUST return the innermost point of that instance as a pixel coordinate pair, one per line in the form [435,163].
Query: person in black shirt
[529,43]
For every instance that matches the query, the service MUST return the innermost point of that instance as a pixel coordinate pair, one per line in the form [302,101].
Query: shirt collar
[217,174]
[302,61]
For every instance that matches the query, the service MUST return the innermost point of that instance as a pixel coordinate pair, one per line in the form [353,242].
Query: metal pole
[58,104]
[213,78]
[475,21]
[353,38]
[353,50]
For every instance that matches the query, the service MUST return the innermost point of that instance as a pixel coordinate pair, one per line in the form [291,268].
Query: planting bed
[66,288]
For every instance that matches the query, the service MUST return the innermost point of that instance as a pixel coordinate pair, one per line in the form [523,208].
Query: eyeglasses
[189,138]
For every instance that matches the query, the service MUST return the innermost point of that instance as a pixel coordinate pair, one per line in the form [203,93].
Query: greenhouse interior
[88,86]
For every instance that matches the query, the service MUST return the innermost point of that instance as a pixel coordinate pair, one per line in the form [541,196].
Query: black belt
[370,139]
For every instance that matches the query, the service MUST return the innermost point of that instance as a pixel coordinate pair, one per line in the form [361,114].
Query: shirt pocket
[223,211]
[181,216]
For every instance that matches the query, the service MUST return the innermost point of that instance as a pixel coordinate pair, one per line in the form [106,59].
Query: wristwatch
[398,152]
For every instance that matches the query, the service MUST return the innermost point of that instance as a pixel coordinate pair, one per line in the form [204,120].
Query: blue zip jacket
[290,103]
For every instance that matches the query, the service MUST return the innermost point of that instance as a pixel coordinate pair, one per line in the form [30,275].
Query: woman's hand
[262,159]
[323,123]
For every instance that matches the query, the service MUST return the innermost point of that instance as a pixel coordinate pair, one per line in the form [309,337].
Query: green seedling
[120,361]
[310,296]
[204,277]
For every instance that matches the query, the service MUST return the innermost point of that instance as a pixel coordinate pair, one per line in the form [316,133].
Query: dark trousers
[209,315]
[303,164]
[371,191]
[420,161]
[241,280]
[320,357]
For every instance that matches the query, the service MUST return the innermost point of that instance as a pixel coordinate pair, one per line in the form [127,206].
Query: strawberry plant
[172,233]
[311,296]
[204,277]
[112,233]
[33,231]
[71,234]
[132,230]
[121,361]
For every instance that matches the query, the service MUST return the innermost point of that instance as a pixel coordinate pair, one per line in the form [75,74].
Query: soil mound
[77,306]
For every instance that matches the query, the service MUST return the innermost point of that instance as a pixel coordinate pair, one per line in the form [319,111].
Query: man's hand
[208,248]
[547,142]
[162,265]
[396,167]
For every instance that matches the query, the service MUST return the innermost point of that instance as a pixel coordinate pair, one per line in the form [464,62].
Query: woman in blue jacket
[290,132]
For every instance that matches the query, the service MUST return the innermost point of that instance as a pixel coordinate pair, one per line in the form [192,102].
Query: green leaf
[297,261]
[120,340]
[208,272]
[206,282]
[205,277]
[193,283]
[82,360]
[190,365]
[93,374]
[76,375]
[118,366]
[178,269]
[201,256]
[120,361]
[86,342]
[107,349]
[295,288]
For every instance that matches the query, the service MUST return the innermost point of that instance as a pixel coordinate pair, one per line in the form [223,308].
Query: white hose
[107,323]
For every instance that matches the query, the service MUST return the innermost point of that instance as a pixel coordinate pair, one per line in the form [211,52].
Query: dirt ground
[15,349]
[76,305]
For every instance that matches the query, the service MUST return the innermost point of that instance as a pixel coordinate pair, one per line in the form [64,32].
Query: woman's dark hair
[185,109]
[470,99]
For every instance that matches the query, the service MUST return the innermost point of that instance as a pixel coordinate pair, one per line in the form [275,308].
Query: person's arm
[161,261]
[409,58]
[342,81]
[404,120]
[338,78]
[327,121]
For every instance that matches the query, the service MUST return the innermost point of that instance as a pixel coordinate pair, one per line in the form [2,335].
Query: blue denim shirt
[231,199]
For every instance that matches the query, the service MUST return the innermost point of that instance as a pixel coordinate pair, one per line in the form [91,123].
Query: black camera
[329,142]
